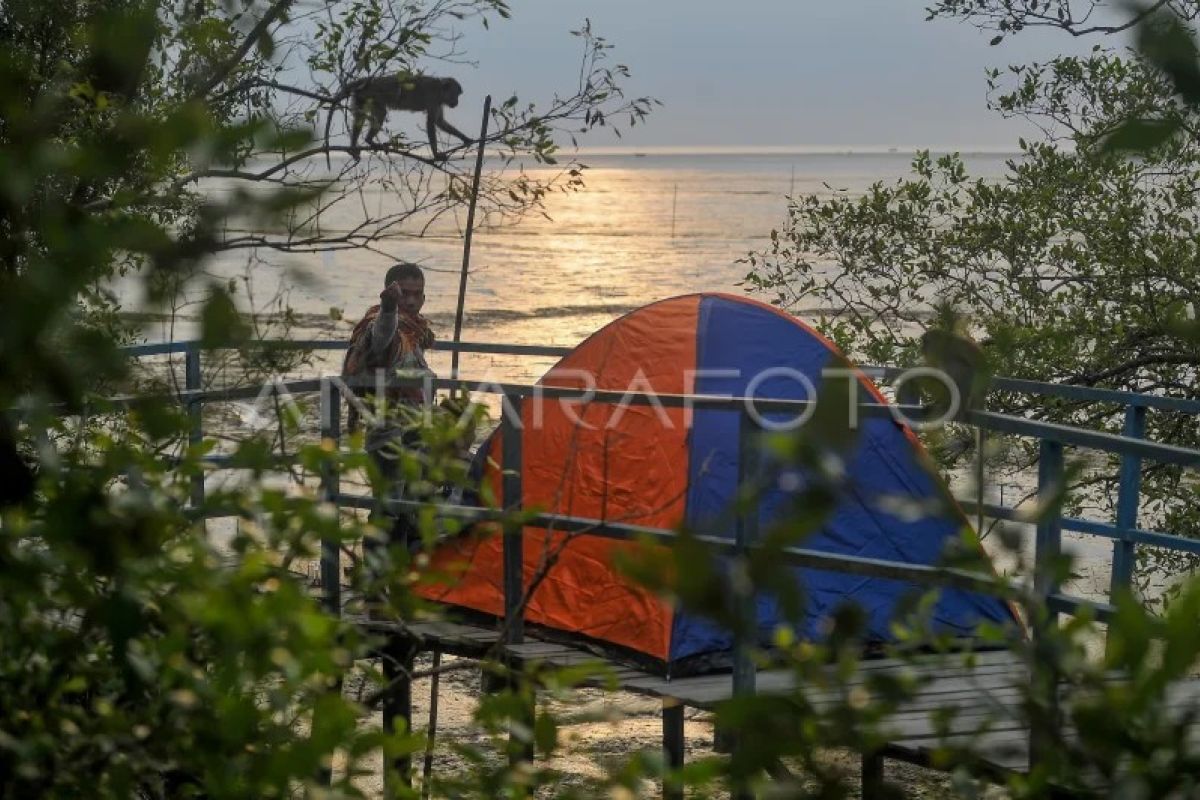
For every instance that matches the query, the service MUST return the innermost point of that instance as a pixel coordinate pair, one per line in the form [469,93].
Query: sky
[766,73]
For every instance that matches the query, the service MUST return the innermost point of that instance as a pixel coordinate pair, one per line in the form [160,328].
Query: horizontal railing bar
[1065,391]
[802,557]
[970,506]
[480,348]
[695,401]
[1067,604]
[1018,385]
[165,348]
[1091,527]
[1106,530]
[1081,437]
[1089,394]
[156,348]
[503,349]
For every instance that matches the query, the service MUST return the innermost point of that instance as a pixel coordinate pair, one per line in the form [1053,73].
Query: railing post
[331,582]
[745,535]
[331,437]
[1048,544]
[520,747]
[746,532]
[514,562]
[1043,732]
[192,381]
[1128,495]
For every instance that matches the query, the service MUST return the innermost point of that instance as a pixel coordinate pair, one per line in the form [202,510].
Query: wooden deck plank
[709,691]
[1003,750]
[985,697]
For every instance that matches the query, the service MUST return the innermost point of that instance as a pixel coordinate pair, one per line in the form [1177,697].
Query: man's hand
[389,298]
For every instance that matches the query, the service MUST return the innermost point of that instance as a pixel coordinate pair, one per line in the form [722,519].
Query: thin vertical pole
[674,205]
[431,730]
[466,262]
[192,381]
[1128,494]
[331,435]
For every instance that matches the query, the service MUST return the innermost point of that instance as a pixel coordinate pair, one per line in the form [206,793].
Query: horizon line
[787,150]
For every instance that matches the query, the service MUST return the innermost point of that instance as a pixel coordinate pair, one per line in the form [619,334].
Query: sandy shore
[599,732]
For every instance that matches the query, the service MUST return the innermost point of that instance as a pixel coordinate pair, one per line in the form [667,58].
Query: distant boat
[893,150]
[639,155]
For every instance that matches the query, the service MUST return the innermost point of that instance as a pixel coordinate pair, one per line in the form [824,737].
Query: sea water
[647,226]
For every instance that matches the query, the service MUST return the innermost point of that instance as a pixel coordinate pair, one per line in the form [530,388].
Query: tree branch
[1143,361]
[255,82]
[273,13]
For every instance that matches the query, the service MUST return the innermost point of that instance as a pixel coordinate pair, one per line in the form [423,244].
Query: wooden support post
[1048,551]
[192,382]
[1128,496]
[491,682]
[514,567]
[520,749]
[872,775]
[673,747]
[398,656]
[331,434]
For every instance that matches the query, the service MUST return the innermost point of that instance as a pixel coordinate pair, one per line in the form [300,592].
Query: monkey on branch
[372,97]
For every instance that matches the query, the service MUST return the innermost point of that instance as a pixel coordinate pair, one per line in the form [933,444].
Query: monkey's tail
[333,106]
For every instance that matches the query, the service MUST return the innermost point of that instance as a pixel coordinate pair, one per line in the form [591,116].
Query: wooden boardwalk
[985,696]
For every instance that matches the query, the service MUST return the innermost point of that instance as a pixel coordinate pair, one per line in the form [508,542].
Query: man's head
[410,281]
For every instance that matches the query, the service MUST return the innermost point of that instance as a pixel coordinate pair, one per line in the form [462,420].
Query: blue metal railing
[1053,437]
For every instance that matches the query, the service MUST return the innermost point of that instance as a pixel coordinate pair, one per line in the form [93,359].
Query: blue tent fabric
[737,341]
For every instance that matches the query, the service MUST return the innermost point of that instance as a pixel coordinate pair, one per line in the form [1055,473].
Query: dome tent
[646,465]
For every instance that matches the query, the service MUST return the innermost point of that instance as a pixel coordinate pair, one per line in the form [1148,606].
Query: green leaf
[1167,42]
[1141,135]
[266,45]
[221,324]
[545,733]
